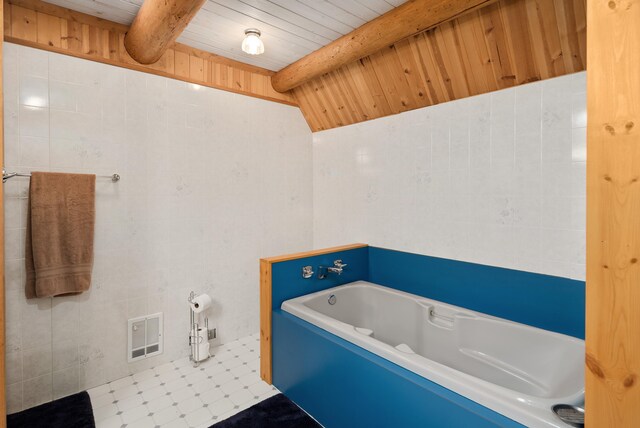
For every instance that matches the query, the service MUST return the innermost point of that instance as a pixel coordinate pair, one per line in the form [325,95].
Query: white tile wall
[211,181]
[497,179]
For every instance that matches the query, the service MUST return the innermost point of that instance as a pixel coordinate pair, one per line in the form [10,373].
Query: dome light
[252,43]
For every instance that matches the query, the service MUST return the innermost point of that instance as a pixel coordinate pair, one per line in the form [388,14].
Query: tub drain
[572,415]
[332,299]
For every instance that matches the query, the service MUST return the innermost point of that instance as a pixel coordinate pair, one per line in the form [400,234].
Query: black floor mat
[73,411]
[275,412]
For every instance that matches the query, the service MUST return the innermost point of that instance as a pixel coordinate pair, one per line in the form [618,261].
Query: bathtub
[511,368]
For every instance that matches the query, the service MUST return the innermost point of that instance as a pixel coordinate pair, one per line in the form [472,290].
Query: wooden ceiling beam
[156,26]
[401,22]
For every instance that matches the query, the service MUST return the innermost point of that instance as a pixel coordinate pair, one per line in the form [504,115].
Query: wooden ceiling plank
[469,64]
[94,40]
[105,44]
[24,23]
[449,54]
[329,111]
[422,74]
[196,68]
[564,40]
[344,83]
[540,51]
[580,17]
[308,95]
[436,44]
[48,29]
[359,100]
[474,54]
[550,36]
[365,97]
[84,38]
[412,71]
[307,112]
[497,44]
[74,36]
[568,35]
[482,47]
[321,119]
[64,36]
[434,79]
[339,98]
[519,42]
[114,46]
[387,81]
[395,75]
[405,67]
[374,86]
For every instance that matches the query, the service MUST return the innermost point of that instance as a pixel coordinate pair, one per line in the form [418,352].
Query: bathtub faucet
[337,267]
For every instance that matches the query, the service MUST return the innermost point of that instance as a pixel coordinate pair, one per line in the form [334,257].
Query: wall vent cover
[144,337]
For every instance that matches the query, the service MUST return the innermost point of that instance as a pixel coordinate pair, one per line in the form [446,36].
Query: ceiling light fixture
[252,43]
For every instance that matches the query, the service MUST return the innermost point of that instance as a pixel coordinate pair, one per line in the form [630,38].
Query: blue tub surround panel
[543,301]
[286,271]
[290,283]
[343,386]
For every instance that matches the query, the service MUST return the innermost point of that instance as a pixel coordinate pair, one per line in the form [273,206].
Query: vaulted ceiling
[290,29]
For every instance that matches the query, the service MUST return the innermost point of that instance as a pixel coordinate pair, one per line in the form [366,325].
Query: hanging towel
[60,224]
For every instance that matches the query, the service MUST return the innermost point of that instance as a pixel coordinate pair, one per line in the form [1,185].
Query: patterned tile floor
[178,395]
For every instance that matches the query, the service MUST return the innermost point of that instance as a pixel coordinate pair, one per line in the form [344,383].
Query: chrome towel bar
[7,175]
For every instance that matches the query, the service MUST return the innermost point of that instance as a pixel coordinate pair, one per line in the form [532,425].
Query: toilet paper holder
[198,345]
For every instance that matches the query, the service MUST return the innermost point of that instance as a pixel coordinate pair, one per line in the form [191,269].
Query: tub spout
[337,268]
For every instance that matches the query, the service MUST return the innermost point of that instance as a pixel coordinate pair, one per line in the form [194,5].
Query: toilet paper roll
[201,303]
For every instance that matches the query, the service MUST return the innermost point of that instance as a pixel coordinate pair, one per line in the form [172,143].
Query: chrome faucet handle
[338,263]
[307,272]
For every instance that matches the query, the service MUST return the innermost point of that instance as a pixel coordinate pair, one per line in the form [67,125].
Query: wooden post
[613,214]
[265,321]
[3,380]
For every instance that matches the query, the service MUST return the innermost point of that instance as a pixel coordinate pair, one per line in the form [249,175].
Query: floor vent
[144,337]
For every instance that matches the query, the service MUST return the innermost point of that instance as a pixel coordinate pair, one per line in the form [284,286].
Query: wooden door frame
[3,402]
[612,382]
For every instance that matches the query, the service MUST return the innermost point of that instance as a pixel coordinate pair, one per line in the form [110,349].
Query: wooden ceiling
[505,44]
[46,26]
[290,28]
[508,43]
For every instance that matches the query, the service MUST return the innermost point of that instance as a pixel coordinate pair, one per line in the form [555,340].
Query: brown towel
[60,223]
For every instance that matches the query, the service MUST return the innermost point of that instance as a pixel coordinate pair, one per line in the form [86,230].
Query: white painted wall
[211,181]
[497,179]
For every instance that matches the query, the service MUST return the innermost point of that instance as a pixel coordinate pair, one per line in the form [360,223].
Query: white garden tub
[513,369]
